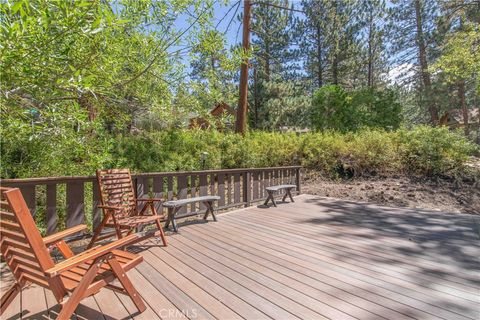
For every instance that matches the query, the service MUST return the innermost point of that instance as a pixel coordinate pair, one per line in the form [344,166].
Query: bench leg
[289,192]
[171,218]
[209,206]
[270,197]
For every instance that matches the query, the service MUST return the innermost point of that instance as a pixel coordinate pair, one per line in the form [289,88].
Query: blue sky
[222,17]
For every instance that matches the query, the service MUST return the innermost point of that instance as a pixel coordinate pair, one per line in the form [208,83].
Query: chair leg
[8,297]
[162,234]
[96,232]
[78,294]
[126,283]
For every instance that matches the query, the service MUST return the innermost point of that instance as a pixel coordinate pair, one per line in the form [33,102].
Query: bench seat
[281,187]
[174,206]
[272,189]
[182,202]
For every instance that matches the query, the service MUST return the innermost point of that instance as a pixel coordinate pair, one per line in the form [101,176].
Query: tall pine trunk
[319,57]
[422,56]
[255,96]
[370,52]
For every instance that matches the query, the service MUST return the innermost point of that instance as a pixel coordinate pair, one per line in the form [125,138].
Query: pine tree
[413,23]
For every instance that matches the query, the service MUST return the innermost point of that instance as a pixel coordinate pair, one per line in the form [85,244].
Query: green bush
[337,109]
[421,151]
[430,151]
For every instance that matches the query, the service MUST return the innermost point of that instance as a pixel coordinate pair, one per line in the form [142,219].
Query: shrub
[337,109]
[433,151]
[421,151]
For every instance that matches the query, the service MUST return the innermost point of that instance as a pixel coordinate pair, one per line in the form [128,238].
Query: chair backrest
[116,189]
[22,245]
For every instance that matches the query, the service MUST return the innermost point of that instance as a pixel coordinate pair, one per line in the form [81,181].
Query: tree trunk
[463,104]
[422,56]
[319,57]
[241,120]
[370,52]
[335,46]
[335,69]
[255,95]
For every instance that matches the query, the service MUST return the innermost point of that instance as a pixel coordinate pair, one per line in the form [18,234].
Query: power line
[138,75]
[277,6]
[233,17]
[226,14]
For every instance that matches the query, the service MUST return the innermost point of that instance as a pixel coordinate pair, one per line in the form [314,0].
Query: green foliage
[114,59]
[377,107]
[423,150]
[433,151]
[461,59]
[334,108]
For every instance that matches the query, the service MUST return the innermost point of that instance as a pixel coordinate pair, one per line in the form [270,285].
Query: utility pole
[241,121]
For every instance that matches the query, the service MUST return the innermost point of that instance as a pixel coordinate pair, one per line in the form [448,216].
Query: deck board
[317,258]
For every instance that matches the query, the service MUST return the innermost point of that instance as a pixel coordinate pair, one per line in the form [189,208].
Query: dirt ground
[441,195]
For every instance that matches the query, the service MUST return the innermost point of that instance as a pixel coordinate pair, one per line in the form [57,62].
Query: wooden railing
[68,201]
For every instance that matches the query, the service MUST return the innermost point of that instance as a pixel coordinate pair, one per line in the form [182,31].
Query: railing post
[29,194]
[247,194]
[75,203]
[297,176]
[52,218]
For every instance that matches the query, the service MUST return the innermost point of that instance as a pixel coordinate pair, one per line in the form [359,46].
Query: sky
[227,20]
[223,14]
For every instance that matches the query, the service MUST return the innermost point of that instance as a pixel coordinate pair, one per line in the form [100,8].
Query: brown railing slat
[221,189]
[182,190]
[157,190]
[212,184]
[28,193]
[203,188]
[297,180]
[247,196]
[236,188]
[261,178]
[256,185]
[169,188]
[96,212]
[75,203]
[193,190]
[229,188]
[52,218]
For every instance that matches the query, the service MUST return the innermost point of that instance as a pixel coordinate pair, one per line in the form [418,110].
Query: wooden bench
[175,205]
[272,189]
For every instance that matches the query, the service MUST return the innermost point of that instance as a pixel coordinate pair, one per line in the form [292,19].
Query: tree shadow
[443,236]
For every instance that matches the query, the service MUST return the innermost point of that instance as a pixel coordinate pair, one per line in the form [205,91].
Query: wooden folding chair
[71,280]
[120,207]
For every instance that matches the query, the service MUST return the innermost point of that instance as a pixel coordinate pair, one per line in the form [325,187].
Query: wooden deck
[318,258]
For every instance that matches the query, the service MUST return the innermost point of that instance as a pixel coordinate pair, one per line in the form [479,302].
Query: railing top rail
[64,179]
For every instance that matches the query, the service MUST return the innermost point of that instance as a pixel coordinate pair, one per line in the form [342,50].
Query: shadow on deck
[318,258]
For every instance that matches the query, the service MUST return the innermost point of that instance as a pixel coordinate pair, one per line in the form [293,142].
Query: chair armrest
[62,234]
[111,207]
[150,199]
[90,254]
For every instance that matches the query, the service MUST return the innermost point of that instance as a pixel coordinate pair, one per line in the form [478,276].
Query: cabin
[454,118]
[219,112]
